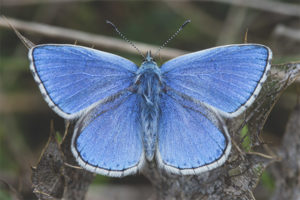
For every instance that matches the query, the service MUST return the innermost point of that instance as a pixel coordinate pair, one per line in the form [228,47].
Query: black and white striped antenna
[172,37]
[124,37]
[160,48]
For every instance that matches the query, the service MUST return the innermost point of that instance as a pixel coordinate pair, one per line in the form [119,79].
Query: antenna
[172,36]
[123,36]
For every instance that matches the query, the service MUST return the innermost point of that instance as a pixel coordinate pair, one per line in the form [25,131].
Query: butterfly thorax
[148,81]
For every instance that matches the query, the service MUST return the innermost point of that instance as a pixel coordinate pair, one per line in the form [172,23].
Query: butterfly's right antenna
[172,36]
[123,36]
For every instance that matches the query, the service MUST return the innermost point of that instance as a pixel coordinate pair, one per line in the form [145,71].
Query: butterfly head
[148,63]
[148,68]
[148,57]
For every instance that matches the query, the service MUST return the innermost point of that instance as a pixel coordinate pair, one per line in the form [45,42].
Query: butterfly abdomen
[148,80]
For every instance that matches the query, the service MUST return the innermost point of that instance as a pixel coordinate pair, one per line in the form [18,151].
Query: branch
[265,5]
[87,38]
[54,177]
[281,30]
[8,3]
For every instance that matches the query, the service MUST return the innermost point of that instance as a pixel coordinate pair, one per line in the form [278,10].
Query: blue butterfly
[127,115]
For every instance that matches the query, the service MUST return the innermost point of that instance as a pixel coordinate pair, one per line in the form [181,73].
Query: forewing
[107,140]
[227,78]
[191,138]
[72,78]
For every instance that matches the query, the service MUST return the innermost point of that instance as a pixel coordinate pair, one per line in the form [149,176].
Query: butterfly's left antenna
[123,36]
[172,36]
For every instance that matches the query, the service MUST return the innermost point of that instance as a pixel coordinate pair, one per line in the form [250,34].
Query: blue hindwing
[191,138]
[72,78]
[107,139]
[227,78]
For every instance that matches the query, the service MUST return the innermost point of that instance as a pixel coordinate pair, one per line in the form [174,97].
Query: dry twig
[87,38]
[266,5]
[282,30]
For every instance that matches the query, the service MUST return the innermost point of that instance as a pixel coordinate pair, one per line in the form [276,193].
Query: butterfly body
[172,115]
[149,85]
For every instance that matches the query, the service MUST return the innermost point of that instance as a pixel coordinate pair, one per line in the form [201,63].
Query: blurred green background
[25,117]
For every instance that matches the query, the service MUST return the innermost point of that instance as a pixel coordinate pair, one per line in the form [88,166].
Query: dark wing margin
[191,138]
[107,140]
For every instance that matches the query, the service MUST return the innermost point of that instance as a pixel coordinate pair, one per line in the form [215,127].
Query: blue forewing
[227,78]
[73,78]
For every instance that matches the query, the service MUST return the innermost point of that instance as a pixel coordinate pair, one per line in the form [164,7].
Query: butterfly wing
[72,78]
[191,137]
[227,78]
[107,139]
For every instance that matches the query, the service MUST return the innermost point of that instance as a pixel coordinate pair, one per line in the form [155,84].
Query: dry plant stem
[52,179]
[265,5]
[77,180]
[87,38]
[288,32]
[47,177]
[97,40]
[32,2]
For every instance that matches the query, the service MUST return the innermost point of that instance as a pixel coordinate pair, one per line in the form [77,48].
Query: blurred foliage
[4,195]
[246,141]
[268,181]
[25,117]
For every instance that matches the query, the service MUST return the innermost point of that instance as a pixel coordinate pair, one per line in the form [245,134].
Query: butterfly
[128,115]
